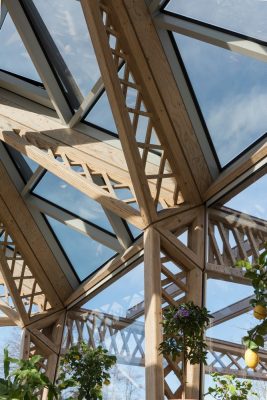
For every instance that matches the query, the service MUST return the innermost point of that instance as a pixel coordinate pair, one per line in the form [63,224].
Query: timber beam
[60,150]
[228,358]
[231,311]
[15,215]
[182,135]
[106,21]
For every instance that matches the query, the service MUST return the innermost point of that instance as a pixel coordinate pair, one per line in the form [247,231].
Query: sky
[231,90]
[244,16]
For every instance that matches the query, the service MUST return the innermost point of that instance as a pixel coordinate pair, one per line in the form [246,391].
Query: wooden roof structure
[164,160]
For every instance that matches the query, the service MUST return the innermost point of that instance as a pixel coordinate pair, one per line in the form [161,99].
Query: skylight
[85,254]
[14,57]
[252,200]
[72,200]
[67,27]
[24,164]
[101,115]
[247,17]
[231,90]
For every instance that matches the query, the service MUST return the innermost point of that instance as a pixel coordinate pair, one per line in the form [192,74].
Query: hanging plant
[183,329]
[84,370]
[254,339]
[228,387]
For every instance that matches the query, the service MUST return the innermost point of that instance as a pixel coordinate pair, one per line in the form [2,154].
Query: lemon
[251,358]
[260,312]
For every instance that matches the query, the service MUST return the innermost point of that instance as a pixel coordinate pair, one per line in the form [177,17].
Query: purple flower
[182,312]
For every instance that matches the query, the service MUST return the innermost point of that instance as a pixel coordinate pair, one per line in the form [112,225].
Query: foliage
[85,370]
[24,382]
[258,274]
[183,329]
[228,387]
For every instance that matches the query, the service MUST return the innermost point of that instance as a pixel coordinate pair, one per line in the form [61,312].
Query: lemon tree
[257,273]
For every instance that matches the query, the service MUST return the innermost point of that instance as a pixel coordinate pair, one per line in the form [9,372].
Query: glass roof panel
[231,90]
[252,200]
[14,57]
[31,164]
[134,230]
[245,16]
[85,254]
[101,114]
[65,22]
[24,164]
[71,199]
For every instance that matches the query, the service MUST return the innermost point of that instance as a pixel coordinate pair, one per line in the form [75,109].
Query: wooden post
[25,344]
[196,238]
[153,316]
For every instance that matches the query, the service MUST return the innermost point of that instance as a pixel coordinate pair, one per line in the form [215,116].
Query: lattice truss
[228,358]
[123,337]
[141,120]
[78,166]
[174,289]
[19,287]
[234,236]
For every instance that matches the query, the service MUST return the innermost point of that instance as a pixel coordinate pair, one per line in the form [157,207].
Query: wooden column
[25,344]
[153,316]
[192,389]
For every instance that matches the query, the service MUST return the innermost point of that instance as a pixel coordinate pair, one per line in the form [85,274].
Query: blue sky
[13,55]
[245,16]
[231,91]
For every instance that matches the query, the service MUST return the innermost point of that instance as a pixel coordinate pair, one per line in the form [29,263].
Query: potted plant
[183,329]
[84,371]
[254,339]
[25,382]
[228,387]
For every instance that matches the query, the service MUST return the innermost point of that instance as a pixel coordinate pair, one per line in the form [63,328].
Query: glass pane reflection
[244,16]
[231,91]
[114,319]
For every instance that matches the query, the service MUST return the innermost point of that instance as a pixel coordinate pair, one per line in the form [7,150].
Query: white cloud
[237,122]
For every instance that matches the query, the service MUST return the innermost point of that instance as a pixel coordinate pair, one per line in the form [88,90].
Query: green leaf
[3,388]
[253,345]
[259,340]
[6,363]
[263,258]
[35,359]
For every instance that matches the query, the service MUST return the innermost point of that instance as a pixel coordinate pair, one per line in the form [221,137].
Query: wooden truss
[175,197]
